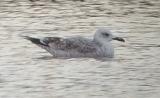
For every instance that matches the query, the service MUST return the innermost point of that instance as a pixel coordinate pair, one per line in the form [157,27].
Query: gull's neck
[105,46]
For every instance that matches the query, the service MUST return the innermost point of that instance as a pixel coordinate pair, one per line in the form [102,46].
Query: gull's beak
[118,39]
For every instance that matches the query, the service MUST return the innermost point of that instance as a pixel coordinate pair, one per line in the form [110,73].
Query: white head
[103,36]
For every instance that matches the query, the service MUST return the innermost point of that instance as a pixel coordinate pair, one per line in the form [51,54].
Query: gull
[98,46]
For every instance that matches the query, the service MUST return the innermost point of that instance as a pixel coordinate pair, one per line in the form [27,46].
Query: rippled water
[27,71]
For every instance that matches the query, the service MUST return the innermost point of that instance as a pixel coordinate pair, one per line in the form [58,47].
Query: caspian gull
[99,46]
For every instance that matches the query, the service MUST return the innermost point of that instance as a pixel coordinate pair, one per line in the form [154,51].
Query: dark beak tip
[119,39]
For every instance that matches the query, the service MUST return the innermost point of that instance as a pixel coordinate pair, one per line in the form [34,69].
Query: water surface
[27,71]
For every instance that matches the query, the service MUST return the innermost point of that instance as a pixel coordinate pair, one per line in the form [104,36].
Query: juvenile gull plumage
[99,46]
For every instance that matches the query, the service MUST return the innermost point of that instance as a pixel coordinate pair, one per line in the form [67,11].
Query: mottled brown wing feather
[58,43]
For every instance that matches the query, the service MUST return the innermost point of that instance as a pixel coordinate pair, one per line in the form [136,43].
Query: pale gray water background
[27,71]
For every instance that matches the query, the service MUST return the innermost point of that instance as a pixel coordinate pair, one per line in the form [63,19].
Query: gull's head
[103,35]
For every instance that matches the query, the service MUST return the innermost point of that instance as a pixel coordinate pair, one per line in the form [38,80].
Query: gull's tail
[36,41]
[39,42]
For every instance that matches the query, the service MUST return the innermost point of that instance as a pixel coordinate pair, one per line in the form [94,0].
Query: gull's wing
[78,44]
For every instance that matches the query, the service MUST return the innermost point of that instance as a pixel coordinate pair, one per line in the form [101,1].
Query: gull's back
[71,47]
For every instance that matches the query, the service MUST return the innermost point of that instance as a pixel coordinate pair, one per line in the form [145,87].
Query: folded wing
[78,44]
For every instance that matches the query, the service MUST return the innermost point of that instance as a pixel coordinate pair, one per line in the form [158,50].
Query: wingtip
[34,40]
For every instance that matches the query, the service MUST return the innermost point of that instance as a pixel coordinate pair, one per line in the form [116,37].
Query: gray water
[27,71]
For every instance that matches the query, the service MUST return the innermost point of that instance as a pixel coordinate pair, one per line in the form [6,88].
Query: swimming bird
[77,46]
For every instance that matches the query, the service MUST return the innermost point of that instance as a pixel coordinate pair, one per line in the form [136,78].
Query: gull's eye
[106,34]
